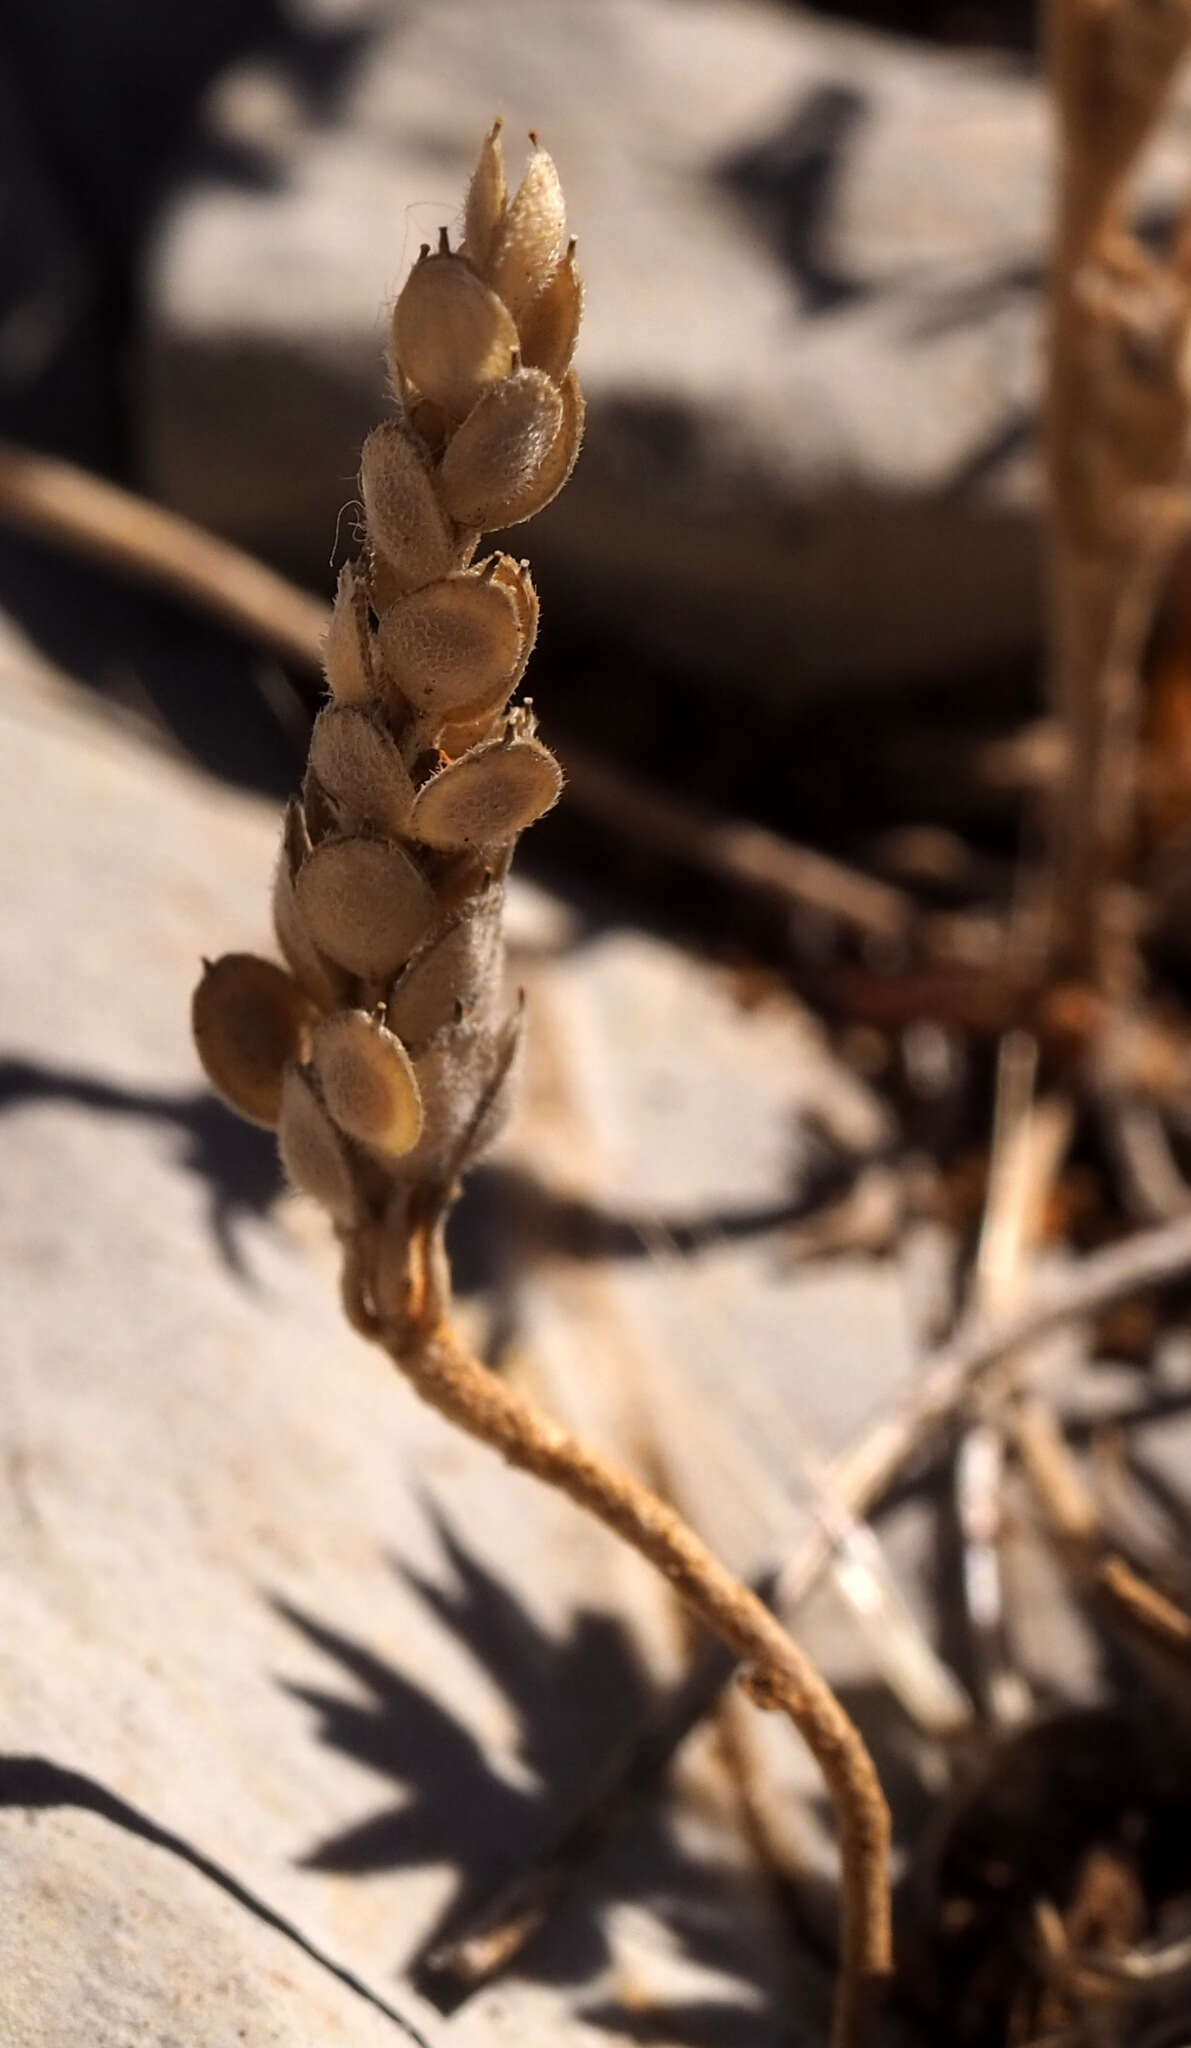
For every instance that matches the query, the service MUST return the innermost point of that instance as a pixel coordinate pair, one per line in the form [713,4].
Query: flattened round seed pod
[452,336]
[302,957]
[488,796]
[361,770]
[454,971]
[367,1082]
[405,520]
[487,197]
[454,645]
[537,492]
[364,904]
[550,323]
[249,1018]
[347,649]
[532,237]
[313,1152]
[516,578]
[501,449]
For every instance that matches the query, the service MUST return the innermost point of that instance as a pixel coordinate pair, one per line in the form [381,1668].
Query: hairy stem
[441,1369]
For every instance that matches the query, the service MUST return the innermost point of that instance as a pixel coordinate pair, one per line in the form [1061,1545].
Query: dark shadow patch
[236,1161]
[789,184]
[577,1699]
[507,1217]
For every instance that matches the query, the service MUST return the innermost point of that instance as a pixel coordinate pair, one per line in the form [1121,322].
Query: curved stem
[444,1373]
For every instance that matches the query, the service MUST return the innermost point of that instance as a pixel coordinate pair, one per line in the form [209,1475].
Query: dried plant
[1117,447]
[382,1051]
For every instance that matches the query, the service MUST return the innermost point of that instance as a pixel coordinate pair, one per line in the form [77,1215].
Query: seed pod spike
[487,199]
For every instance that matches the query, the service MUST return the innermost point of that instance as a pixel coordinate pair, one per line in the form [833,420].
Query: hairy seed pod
[488,796]
[322,982]
[361,770]
[516,579]
[487,197]
[367,1082]
[453,647]
[532,236]
[347,650]
[452,336]
[549,325]
[464,1076]
[249,1018]
[560,461]
[455,972]
[364,904]
[313,1152]
[492,465]
[405,520]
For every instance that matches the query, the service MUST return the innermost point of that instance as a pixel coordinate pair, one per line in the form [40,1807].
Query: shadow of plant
[237,1162]
[575,1698]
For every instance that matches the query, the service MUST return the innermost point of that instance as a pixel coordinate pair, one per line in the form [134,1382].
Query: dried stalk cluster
[381,1053]
[1119,410]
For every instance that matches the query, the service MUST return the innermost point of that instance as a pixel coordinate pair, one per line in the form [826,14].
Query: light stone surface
[814,260]
[112,1940]
[248,1586]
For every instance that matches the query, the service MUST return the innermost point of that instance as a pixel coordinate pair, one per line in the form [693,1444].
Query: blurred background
[813,242]
[252,1596]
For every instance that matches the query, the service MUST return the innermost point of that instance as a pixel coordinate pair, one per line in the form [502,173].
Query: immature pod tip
[532,235]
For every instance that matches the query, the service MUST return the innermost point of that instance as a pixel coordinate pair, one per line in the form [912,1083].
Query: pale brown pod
[406,523]
[558,463]
[313,1152]
[249,1018]
[487,797]
[361,770]
[347,649]
[452,335]
[364,904]
[455,972]
[549,325]
[487,197]
[532,236]
[453,647]
[322,982]
[516,578]
[367,1082]
[492,465]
